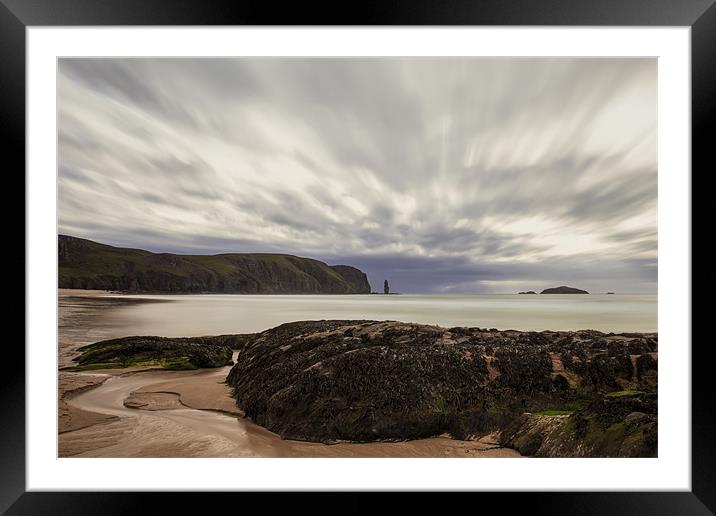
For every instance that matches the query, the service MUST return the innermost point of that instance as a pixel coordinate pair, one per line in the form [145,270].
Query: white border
[670,471]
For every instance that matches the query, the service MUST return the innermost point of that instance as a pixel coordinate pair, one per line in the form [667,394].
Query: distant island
[84,264]
[528,292]
[563,290]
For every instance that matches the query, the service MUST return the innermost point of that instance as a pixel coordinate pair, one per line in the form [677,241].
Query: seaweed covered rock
[329,381]
[169,353]
[620,424]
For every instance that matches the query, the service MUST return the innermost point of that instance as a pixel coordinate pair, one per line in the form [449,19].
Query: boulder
[168,353]
[330,381]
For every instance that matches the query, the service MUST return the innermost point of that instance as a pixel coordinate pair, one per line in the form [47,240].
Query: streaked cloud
[443,175]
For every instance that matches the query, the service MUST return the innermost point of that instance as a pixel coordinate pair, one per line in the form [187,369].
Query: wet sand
[158,413]
[74,418]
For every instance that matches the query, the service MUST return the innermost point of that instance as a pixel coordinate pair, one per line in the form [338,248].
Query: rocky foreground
[165,352]
[548,394]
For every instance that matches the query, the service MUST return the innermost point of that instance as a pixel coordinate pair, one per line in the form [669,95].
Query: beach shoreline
[160,413]
[172,390]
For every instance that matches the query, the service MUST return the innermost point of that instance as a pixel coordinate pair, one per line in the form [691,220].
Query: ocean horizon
[207,314]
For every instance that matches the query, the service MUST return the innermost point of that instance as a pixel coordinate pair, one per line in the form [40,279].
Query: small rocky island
[563,290]
[547,394]
[528,292]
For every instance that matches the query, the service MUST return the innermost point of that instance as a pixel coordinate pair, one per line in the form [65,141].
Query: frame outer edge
[12,136]
[703,126]
[12,127]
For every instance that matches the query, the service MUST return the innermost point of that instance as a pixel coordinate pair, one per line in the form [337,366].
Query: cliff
[580,393]
[86,264]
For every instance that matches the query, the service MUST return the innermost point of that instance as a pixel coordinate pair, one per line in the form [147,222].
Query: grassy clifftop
[90,265]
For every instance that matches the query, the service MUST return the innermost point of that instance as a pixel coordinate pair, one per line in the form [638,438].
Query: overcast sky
[441,175]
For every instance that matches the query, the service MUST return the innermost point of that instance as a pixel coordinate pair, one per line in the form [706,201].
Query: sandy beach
[159,413]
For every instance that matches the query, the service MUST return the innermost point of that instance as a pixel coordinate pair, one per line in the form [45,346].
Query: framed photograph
[299,252]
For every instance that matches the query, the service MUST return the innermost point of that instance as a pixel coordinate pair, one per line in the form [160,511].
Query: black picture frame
[700,15]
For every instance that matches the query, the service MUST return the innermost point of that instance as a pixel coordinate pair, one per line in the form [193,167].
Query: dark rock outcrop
[366,380]
[84,264]
[169,353]
[563,290]
[610,426]
[528,292]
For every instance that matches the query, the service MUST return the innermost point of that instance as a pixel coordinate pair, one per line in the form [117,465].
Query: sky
[442,175]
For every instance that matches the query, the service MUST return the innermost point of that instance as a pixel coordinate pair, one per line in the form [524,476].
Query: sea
[214,314]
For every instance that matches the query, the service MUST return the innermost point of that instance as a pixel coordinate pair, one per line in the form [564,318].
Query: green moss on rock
[168,353]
